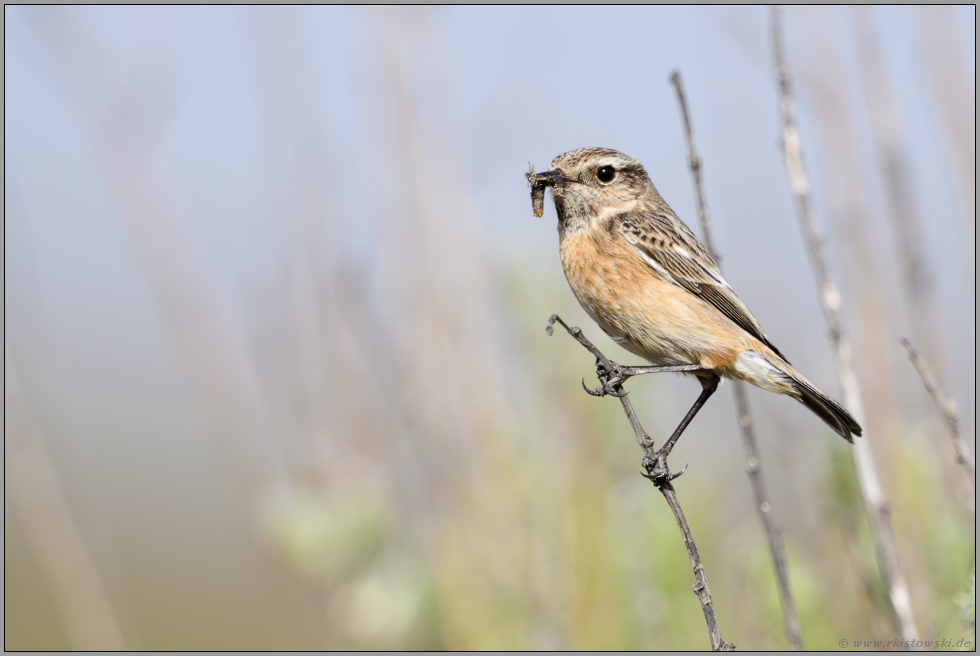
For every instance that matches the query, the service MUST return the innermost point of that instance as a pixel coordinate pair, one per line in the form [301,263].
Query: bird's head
[592,184]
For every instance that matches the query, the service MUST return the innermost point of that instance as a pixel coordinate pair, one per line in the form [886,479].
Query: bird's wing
[676,255]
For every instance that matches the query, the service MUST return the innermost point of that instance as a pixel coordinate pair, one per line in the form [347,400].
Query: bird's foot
[611,379]
[657,470]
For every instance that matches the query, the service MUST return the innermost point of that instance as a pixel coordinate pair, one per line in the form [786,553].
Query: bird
[649,283]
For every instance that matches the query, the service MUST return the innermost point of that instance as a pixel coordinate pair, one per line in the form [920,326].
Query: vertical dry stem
[791,621]
[876,506]
[847,192]
[694,161]
[947,408]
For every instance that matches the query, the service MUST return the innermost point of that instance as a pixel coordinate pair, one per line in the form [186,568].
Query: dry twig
[655,463]
[791,621]
[876,506]
[947,408]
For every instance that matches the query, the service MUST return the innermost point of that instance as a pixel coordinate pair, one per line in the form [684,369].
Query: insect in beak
[541,181]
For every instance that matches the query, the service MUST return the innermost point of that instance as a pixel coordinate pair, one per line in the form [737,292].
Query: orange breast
[649,316]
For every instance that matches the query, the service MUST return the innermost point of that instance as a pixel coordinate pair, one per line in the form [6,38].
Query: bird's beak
[541,181]
[551,179]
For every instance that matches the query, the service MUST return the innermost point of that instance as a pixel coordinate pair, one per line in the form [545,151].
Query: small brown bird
[652,286]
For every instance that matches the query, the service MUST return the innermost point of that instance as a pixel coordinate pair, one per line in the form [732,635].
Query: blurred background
[276,374]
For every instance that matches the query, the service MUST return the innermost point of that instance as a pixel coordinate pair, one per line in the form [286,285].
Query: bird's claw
[606,389]
[595,392]
[611,379]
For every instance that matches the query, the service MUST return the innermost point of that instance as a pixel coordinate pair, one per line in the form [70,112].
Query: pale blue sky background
[519,85]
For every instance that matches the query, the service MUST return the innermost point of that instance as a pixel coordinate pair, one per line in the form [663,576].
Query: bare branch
[876,506]
[662,478]
[695,163]
[947,408]
[700,586]
[791,621]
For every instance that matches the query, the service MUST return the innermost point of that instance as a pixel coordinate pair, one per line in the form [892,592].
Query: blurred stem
[949,79]
[947,408]
[700,587]
[35,494]
[876,506]
[208,341]
[903,208]
[791,621]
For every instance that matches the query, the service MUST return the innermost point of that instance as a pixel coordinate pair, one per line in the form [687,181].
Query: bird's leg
[612,375]
[656,466]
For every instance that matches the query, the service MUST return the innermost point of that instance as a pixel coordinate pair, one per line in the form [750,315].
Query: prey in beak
[541,181]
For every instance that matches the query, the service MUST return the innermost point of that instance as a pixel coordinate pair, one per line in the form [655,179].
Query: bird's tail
[764,368]
[824,407]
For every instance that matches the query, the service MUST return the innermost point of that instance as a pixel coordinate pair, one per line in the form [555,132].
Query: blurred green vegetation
[551,539]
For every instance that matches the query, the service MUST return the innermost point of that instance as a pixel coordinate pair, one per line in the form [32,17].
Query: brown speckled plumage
[649,283]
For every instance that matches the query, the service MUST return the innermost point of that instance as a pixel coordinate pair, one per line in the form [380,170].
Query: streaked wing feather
[693,269]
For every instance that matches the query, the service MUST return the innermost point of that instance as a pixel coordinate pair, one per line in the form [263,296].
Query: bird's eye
[606,174]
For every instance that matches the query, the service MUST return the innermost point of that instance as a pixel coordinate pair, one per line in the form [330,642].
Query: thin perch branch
[876,506]
[700,586]
[791,621]
[652,459]
[947,408]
